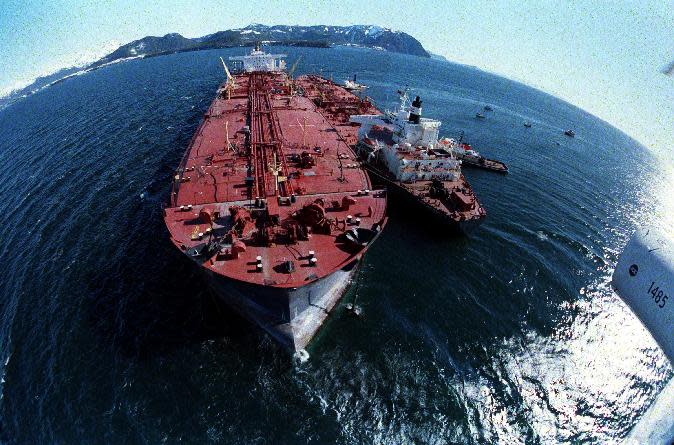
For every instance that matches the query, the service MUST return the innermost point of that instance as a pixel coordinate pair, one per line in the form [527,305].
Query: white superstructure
[408,144]
[258,60]
[352,85]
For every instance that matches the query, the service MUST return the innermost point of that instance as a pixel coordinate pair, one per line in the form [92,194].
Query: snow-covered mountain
[369,36]
[320,35]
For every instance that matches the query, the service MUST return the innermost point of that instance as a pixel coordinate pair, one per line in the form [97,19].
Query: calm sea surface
[513,335]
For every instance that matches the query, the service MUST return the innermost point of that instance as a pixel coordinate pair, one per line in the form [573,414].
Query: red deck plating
[267,141]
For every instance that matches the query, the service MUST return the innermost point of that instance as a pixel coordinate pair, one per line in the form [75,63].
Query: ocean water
[511,335]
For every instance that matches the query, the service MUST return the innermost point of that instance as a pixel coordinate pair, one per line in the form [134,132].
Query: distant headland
[322,36]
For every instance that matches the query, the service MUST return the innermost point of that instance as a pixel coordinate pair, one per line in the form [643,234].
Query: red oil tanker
[269,201]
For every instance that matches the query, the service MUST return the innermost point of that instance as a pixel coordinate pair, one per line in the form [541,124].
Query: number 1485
[658,295]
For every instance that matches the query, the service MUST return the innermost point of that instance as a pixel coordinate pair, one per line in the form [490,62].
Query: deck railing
[180,171]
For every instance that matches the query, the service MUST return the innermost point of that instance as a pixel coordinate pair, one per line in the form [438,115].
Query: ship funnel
[415,111]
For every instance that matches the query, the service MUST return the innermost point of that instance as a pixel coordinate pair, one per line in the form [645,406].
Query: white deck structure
[258,60]
[413,151]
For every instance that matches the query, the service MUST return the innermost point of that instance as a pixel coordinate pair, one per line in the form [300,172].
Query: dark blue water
[512,335]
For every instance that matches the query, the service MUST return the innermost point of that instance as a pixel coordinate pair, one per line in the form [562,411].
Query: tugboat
[471,158]
[570,133]
[352,85]
[402,151]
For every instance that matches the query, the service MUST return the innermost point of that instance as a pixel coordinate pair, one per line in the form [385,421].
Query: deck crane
[231,84]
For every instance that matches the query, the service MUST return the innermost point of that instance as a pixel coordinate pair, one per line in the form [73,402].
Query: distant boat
[352,85]
[488,108]
[479,115]
[570,133]
[527,124]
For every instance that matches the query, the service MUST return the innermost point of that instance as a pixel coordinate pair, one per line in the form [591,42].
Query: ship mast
[303,126]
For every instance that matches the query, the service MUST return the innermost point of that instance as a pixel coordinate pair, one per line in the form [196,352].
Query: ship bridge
[258,60]
[424,133]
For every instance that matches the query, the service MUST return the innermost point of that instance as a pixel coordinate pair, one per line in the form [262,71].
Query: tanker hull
[292,316]
[431,215]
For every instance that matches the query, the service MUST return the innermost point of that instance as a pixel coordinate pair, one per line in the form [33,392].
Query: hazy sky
[604,56]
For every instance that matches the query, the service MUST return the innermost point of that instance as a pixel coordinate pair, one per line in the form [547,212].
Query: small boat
[488,108]
[479,115]
[570,133]
[352,85]
[527,124]
[471,158]
[354,310]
